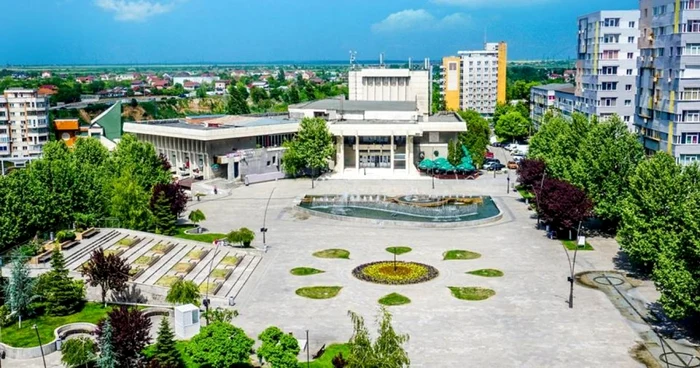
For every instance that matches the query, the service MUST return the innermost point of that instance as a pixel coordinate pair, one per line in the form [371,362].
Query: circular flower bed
[404,273]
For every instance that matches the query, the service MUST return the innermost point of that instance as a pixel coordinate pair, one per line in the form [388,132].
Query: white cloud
[491,3]
[418,19]
[135,11]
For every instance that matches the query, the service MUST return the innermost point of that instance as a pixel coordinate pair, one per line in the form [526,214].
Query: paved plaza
[526,324]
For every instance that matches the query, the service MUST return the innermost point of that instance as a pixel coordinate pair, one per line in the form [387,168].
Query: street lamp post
[206,300]
[308,352]
[432,174]
[40,346]
[263,229]
[572,265]
[508,184]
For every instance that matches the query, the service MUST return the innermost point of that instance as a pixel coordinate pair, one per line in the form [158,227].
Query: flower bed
[167,280]
[183,267]
[404,273]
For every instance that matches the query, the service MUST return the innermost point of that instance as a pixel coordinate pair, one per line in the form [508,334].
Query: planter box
[87,233]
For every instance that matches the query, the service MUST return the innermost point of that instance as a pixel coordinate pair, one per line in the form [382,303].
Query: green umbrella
[426,164]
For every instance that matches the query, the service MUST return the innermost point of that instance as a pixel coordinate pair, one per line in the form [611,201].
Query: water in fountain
[344,204]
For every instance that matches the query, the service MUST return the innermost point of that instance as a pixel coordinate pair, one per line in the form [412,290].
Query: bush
[65,235]
[243,236]
[78,352]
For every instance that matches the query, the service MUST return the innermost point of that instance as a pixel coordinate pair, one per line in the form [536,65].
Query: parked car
[518,158]
[488,159]
[496,144]
[493,166]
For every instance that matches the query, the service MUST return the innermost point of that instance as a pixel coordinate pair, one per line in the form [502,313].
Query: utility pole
[40,346]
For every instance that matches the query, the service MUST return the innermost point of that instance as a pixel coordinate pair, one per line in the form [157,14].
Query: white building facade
[24,123]
[606,67]
[382,84]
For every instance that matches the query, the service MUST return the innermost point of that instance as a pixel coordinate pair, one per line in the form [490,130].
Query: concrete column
[391,158]
[340,164]
[357,153]
[409,153]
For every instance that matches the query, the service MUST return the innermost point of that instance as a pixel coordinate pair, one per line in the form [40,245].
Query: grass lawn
[197,254]
[319,292]
[333,253]
[159,248]
[452,255]
[398,250]
[573,244]
[394,299]
[125,242]
[205,237]
[212,287]
[143,260]
[471,293]
[183,267]
[526,194]
[167,280]
[305,271]
[230,261]
[219,273]
[26,337]
[487,272]
[325,360]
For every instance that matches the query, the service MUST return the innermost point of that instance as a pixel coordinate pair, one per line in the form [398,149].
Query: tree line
[582,167]
[130,187]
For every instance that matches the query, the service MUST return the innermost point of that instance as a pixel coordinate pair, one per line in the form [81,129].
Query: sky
[47,32]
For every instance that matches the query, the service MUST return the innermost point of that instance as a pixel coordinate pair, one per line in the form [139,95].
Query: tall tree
[165,351]
[108,358]
[561,204]
[477,136]
[19,292]
[220,345]
[454,152]
[237,104]
[130,330]
[512,125]
[164,220]
[61,295]
[386,351]
[109,272]
[606,161]
[311,148]
[278,349]
[129,203]
[530,173]
[652,209]
[175,195]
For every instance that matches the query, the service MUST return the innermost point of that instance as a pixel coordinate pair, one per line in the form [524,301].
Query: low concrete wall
[61,332]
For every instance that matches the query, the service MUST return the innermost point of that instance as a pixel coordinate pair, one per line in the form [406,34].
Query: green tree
[129,203]
[454,152]
[183,292]
[652,209]
[557,145]
[201,91]
[60,294]
[477,136]
[19,292]
[165,351]
[220,345]
[293,96]
[237,104]
[606,160]
[196,216]
[258,95]
[78,352]
[107,357]
[512,125]
[220,315]
[278,349]
[386,351]
[164,220]
[311,148]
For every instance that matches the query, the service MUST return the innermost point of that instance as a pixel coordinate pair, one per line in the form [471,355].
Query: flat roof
[222,122]
[559,87]
[444,117]
[334,104]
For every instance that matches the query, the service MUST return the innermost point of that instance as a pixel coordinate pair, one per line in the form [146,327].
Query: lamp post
[308,352]
[432,174]
[580,239]
[206,300]
[263,229]
[40,346]
[508,184]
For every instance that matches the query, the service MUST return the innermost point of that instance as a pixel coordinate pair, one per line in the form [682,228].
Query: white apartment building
[381,84]
[606,67]
[475,80]
[24,123]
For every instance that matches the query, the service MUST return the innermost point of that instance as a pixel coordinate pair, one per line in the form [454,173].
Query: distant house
[48,90]
[125,77]
[67,130]
[258,84]
[46,74]
[221,86]
[158,83]
[316,80]
[290,76]
[204,78]
[238,73]
[83,80]
[191,85]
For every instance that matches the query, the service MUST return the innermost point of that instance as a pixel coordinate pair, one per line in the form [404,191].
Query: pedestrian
[216,191]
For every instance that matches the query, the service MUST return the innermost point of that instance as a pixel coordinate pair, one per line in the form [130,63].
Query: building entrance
[375,160]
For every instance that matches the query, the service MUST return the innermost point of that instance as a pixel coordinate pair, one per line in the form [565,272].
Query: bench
[69,244]
[45,257]
[90,233]
[320,352]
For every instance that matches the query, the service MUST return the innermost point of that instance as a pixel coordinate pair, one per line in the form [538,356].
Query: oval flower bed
[405,273]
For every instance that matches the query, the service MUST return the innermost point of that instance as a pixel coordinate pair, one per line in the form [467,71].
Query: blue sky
[158,31]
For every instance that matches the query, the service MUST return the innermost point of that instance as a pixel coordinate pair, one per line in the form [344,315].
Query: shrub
[65,235]
[242,236]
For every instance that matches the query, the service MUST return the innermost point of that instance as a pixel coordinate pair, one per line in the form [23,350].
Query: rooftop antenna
[353,56]
[409,63]
[485,39]
[381,60]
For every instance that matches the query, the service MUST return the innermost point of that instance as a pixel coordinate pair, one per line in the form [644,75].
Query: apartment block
[383,84]
[24,123]
[556,97]
[475,80]
[606,66]
[668,93]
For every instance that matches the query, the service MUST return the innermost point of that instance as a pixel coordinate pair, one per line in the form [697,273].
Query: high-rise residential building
[559,97]
[475,80]
[384,84]
[668,93]
[24,123]
[606,67]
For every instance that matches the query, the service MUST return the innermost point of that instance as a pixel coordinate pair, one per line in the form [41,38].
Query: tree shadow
[623,263]
[688,329]
[130,295]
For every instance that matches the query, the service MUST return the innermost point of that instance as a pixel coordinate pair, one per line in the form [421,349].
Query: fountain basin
[428,211]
